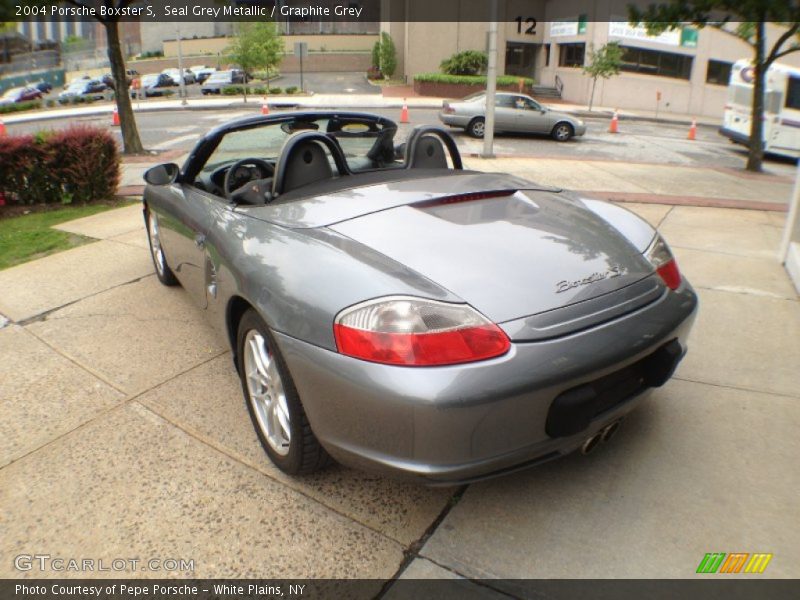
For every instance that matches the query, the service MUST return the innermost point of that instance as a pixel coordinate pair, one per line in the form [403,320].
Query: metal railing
[31,61]
[559,85]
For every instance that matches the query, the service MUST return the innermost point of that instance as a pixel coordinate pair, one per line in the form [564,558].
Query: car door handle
[200,240]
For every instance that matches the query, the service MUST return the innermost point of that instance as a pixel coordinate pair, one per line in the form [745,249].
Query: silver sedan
[512,113]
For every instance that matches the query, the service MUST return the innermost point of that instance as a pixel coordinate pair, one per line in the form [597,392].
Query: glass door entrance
[521,59]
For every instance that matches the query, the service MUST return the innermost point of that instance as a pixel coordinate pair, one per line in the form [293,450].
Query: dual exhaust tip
[603,435]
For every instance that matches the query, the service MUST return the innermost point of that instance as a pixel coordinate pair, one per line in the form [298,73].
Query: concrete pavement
[120,409]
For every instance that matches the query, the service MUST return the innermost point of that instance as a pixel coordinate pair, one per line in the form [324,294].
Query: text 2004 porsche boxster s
[393,311]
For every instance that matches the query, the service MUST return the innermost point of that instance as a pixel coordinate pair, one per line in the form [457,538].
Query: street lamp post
[491,86]
[182,82]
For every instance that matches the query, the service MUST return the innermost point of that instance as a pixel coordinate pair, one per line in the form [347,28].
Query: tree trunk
[591,97]
[131,143]
[756,154]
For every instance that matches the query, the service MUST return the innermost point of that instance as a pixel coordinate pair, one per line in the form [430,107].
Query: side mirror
[162,174]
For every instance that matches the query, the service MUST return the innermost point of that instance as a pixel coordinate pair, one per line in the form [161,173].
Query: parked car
[20,94]
[406,315]
[216,81]
[202,73]
[239,76]
[44,87]
[188,77]
[153,85]
[83,88]
[108,78]
[516,113]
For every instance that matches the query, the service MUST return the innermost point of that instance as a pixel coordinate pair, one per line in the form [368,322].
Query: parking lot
[132,419]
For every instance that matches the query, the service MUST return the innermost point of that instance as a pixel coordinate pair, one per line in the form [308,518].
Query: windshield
[357,136]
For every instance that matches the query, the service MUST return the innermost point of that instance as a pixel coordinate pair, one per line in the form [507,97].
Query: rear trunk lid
[513,255]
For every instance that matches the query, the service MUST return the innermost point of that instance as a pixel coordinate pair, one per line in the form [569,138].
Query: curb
[108,109]
[693,201]
[585,114]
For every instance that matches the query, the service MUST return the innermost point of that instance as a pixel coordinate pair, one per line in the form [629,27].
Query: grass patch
[27,237]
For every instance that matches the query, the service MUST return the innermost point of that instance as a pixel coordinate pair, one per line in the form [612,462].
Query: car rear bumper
[734,136]
[448,425]
[454,120]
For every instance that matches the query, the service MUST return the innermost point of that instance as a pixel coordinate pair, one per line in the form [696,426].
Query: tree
[388,55]
[131,142]
[603,63]
[746,20]
[258,45]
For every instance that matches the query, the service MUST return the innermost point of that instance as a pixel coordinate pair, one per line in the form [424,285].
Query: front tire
[163,272]
[273,402]
[562,132]
[477,127]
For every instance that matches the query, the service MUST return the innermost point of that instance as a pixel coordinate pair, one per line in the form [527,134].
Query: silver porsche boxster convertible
[391,310]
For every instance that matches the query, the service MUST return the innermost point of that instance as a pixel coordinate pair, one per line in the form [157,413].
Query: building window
[793,93]
[719,72]
[571,55]
[653,62]
[547,55]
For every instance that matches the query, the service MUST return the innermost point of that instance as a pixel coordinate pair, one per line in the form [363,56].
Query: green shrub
[468,62]
[292,89]
[152,54]
[376,55]
[78,164]
[238,90]
[477,80]
[388,55]
[276,90]
[20,106]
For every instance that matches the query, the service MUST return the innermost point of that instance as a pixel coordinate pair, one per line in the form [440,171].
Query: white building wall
[424,45]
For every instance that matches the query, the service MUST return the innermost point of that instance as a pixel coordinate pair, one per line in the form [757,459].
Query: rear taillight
[660,256]
[416,332]
[447,109]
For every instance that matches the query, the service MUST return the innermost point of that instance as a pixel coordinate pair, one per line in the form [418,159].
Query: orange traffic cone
[404,112]
[2,127]
[614,127]
[115,118]
[264,106]
[693,130]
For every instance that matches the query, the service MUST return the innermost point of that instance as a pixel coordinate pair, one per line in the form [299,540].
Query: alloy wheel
[266,393]
[563,133]
[155,244]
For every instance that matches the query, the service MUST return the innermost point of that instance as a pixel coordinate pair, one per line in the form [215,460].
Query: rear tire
[163,272]
[562,132]
[477,127]
[273,402]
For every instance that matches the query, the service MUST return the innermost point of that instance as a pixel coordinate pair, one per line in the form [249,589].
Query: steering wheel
[266,169]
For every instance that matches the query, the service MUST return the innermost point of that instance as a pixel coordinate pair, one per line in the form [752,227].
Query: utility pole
[182,82]
[491,85]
